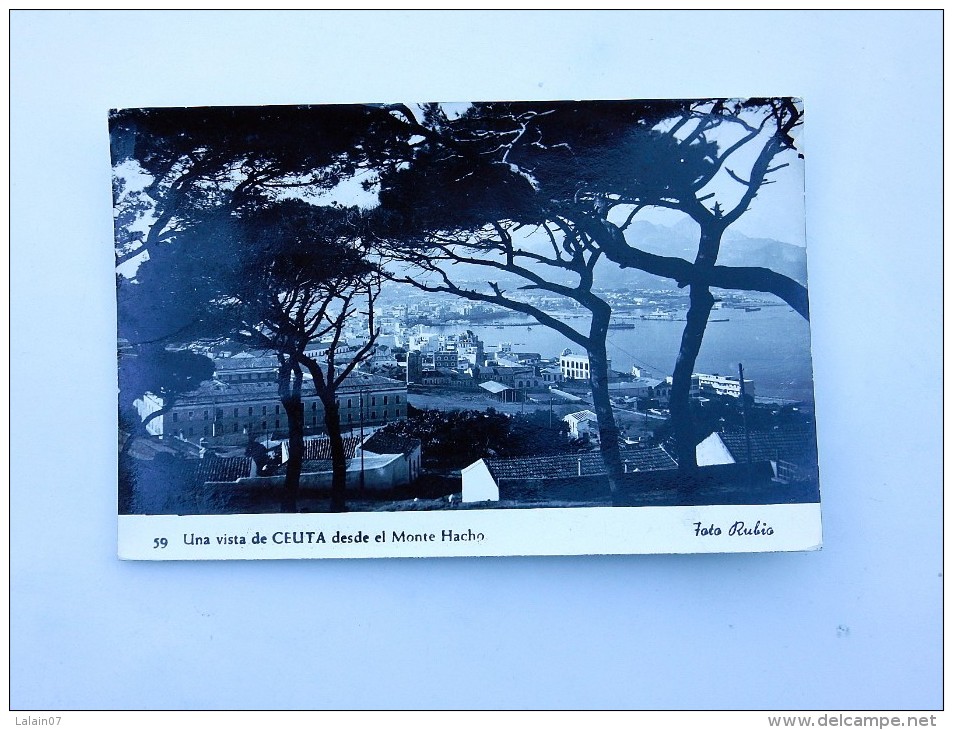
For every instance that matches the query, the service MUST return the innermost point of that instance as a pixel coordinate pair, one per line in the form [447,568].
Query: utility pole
[361,404]
[744,418]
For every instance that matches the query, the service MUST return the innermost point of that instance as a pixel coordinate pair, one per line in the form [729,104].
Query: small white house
[582,423]
[792,454]
[385,463]
[483,480]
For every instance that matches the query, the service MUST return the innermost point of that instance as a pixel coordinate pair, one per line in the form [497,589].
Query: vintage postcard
[463,329]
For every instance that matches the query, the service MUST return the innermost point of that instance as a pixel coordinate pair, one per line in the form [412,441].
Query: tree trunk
[608,432]
[327,392]
[289,390]
[332,422]
[701,303]
[680,403]
[614,245]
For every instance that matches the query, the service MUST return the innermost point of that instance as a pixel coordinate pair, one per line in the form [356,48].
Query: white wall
[479,484]
[712,450]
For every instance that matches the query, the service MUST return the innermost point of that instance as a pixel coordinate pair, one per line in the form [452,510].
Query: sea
[773,344]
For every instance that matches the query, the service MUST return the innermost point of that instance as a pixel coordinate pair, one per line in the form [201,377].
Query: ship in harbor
[659,314]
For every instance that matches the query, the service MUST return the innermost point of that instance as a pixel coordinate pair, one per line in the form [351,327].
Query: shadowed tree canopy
[584,171]
[215,214]
[523,161]
[272,275]
[267,273]
[707,159]
[462,200]
[593,167]
[168,374]
[197,158]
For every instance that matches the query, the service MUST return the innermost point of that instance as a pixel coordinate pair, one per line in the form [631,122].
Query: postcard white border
[458,533]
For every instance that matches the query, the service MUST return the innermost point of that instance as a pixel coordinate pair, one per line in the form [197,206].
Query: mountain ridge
[679,240]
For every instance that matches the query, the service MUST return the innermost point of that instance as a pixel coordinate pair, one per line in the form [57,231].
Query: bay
[773,344]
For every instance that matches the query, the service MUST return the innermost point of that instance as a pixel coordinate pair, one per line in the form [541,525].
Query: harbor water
[773,343]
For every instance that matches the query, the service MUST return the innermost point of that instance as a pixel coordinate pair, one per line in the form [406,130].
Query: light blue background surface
[857,625]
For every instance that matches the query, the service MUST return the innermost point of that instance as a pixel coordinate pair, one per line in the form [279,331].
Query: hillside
[679,240]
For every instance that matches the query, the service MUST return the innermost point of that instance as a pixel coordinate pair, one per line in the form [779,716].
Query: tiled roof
[382,443]
[795,446]
[262,388]
[581,416]
[500,368]
[586,464]
[228,469]
[320,449]
[224,393]
[246,363]
[308,466]
[359,379]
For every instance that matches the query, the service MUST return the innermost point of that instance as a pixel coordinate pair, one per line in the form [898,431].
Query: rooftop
[319,449]
[354,382]
[585,464]
[493,387]
[244,362]
[636,383]
[383,443]
[223,469]
[788,445]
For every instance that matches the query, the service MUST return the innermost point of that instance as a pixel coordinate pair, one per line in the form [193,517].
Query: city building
[642,387]
[576,367]
[414,367]
[582,423]
[551,375]
[716,384]
[470,349]
[241,403]
[499,391]
[445,360]
[506,354]
[520,377]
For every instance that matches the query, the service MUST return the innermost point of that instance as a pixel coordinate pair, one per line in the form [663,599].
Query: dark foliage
[455,439]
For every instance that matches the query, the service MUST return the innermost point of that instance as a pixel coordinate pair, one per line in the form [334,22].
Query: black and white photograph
[463,306]
[497,360]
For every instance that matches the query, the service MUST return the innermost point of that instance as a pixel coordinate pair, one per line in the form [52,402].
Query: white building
[551,375]
[242,401]
[380,463]
[582,423]
[719,385]
[574,367]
